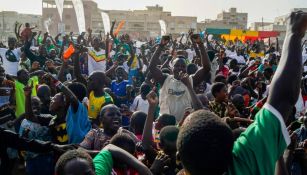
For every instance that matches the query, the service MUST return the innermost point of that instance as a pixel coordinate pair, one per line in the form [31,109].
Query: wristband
[59,84]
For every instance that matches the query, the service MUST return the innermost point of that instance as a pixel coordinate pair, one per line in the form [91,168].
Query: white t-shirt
[139,105]
[230,54]
[10,67]
[191,54]
[174,97]
[96,60]
[239,58]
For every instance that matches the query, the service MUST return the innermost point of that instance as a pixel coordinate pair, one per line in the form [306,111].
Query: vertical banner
[163,27]
[106,22]
[60,5]
[79,10]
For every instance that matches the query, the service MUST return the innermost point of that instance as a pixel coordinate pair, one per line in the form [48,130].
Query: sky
[203,9]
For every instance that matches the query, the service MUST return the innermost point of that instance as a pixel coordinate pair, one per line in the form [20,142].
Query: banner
[59,5]
[79,10]
[163,27]
[119,27]
[106,22]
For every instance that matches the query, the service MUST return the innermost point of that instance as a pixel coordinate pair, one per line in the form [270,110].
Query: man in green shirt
[205,144]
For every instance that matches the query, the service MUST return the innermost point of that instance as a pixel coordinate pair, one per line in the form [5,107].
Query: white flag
[47,24]
[79,10]
[106,22]
[59,5]
[163,27]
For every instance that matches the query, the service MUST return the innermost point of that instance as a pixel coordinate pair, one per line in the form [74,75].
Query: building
[138,23]
[9,18]
[144,23]
[280,25]
[226,20]
[69,21]
[256,25]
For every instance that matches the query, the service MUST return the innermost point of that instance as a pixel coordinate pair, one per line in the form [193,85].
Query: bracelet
[59,84]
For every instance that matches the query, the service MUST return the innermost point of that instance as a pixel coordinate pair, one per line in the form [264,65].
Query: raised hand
[28,89]
[184,78]
[113,22]
[46,34]
[152,98]
[196,39]
[298,23]
[71,33]
[89,30]
[160,163]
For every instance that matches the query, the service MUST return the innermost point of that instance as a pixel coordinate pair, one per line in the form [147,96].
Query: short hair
[145,88]
[166,71]
[192,68]
[219,78]
[124,141]
[78,89]
[231,78]
[216,88]
[169,134]
[167,120]
[137,121]
[12,39]
[205,144]
[70,155]
[104,109]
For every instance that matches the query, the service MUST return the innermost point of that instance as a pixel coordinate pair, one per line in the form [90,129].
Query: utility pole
[262,23]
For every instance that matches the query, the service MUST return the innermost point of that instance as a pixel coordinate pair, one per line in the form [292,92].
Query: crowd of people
[87,104]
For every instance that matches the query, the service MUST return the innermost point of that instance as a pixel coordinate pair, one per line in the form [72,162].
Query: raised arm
[68,93]
[29,115]
[132,54]
[153,66]
[200,75]
[112,28]
[77,70]
[56,38]
[127,158]
[54,43]
[107,45]
[45,37]
[147,132]
[89,38]
[28,52]
[285,86]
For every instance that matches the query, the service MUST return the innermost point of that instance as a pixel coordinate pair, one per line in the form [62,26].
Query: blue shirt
[77,124]
[119,89]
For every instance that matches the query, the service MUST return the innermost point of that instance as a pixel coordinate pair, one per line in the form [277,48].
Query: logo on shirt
[176,93]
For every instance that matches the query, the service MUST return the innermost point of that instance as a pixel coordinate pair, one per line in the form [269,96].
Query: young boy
[219,105]
[27,32]
[140,102]
[75,162]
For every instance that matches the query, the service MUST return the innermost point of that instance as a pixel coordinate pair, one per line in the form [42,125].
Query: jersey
[96,60]
[96,103]
[256,151]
